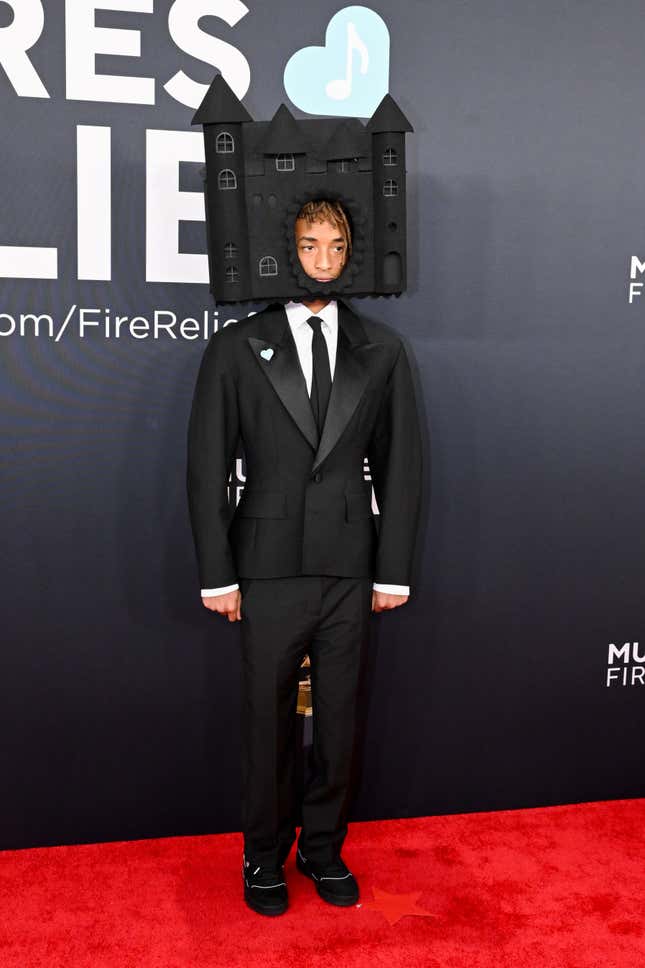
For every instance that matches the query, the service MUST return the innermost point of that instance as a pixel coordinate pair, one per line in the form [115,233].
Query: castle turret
[387,127]
[284,141]
[222,115]
[346,145]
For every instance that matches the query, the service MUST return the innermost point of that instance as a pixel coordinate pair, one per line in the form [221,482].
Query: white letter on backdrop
[183,20]
[15,40]
[166,206]
[28,262]
[83,39]
[94,209]
[636,267]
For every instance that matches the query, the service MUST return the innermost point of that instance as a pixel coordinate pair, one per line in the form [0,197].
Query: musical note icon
[341,89]
[356,38]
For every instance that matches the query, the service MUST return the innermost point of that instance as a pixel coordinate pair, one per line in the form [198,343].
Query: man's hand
[226,604]
[382,601]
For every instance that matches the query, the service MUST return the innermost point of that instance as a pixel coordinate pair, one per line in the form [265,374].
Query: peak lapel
[284,372]
[351,377]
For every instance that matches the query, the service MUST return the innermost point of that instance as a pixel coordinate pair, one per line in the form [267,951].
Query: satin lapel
[351,377]
[284,372]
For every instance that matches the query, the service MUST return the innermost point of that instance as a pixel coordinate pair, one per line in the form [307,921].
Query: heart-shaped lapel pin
[267,353]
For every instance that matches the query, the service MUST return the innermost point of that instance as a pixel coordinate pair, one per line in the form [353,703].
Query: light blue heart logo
[266,354]
[347,77]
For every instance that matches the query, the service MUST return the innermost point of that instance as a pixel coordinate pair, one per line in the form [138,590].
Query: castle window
[226,179]
[390,188]
[224,143]
[390,157]
[285,162]
[232,274]
[230,250]
[268,266]
[344,164]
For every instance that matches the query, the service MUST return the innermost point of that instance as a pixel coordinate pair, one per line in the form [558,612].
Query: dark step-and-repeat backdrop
[514,675]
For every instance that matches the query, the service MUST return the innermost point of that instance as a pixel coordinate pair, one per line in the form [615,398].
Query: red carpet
[553,887]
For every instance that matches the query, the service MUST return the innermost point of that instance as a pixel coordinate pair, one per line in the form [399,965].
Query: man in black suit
[311,388]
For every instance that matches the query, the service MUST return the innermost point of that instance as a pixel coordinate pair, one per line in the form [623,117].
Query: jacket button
[317,477]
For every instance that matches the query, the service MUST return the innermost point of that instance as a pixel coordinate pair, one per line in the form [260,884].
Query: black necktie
[321,375]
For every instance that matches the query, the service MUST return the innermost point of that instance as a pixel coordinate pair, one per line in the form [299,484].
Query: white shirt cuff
[392,589]
[208,592]
[377,586]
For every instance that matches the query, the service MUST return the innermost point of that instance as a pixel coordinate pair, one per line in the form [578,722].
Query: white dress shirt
[303,334]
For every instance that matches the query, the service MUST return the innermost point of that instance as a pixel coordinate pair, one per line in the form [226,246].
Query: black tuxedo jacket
[305,508]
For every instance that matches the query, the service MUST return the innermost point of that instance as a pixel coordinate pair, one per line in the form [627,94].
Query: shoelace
[266,876]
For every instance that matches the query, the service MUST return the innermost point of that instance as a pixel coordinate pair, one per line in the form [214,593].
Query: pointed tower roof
[348,140]
[284,134]
[220,105]
[388,117]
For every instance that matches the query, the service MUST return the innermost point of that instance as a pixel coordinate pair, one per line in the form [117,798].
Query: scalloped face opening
[340,284]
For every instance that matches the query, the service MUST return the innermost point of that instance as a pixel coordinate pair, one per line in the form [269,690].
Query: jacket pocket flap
[262,504]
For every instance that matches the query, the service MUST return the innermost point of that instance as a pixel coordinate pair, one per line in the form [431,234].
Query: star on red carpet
[396,906]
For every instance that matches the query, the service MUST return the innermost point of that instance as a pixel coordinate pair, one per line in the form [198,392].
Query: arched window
[230,250]
[226,179]
[232,274]
[268,266]
[390,157]
[285,162]
[224,143]
[391,188]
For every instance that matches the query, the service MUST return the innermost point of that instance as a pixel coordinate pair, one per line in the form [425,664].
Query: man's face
[322,249]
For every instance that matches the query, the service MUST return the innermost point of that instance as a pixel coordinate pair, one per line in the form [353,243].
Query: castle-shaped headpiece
[260,173]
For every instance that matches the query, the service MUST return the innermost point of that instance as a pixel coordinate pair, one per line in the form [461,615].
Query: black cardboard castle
[259,173]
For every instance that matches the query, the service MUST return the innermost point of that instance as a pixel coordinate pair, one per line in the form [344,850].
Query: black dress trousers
[283,619]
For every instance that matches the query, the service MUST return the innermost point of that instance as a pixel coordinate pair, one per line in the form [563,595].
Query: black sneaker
[334,882]
[265,889]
